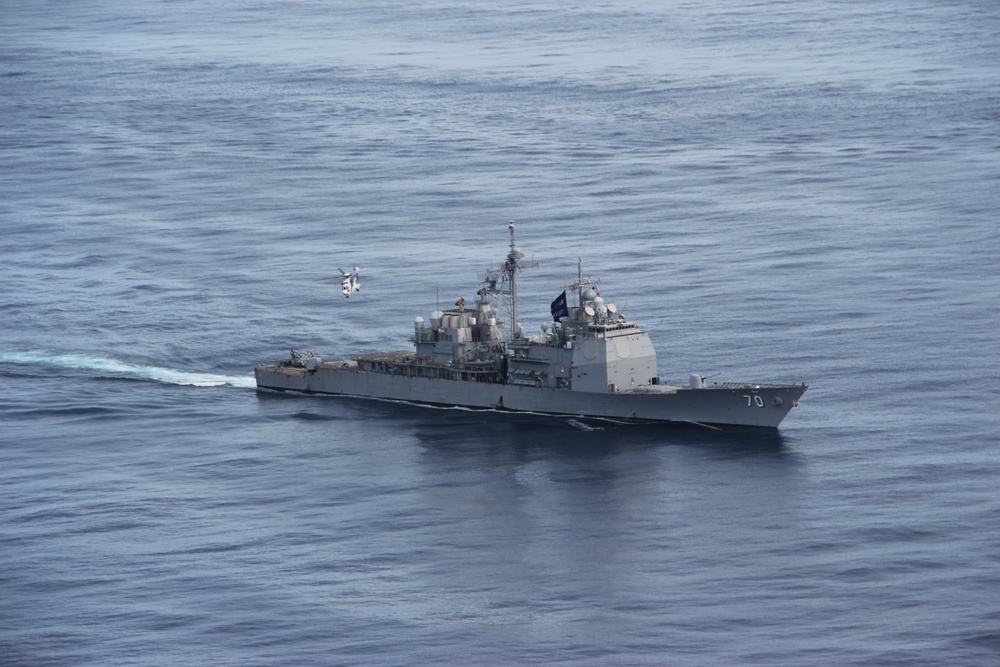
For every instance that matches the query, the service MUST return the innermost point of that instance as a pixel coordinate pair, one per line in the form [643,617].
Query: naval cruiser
[590,361]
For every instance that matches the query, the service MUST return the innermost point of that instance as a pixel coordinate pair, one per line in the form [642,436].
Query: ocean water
[775,191]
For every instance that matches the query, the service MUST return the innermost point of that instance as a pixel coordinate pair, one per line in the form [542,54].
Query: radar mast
[506,276]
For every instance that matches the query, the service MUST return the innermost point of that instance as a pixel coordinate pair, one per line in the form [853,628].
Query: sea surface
[775,191]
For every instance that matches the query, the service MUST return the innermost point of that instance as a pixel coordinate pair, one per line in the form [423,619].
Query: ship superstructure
[590,361]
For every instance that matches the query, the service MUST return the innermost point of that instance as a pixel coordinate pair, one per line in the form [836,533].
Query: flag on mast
[559,307]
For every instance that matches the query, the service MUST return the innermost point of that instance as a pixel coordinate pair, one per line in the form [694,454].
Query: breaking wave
[582,426]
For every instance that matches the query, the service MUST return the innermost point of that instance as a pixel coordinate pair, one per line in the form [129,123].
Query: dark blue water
[776,191]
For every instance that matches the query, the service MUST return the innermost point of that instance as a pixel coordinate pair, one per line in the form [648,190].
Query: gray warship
[589,362]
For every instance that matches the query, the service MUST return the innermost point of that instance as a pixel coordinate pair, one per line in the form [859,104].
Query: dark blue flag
[559,307]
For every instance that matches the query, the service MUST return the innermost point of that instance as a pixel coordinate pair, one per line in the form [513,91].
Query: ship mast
[511,269]
[507,275]
[581,283]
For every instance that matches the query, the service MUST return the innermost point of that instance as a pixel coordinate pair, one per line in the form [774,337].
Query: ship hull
[742,404]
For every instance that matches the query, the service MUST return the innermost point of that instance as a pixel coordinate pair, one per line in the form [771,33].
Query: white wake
[114,368]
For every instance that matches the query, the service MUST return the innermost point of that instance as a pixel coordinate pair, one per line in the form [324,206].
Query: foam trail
[583,427]
[114,368]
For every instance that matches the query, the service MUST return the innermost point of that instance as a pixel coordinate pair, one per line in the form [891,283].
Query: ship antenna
[506,275]
[511,268]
